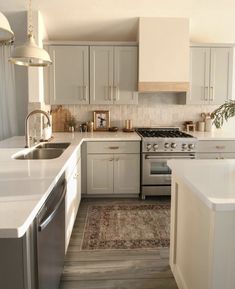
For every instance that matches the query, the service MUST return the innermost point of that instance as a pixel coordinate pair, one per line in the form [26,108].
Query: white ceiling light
[30,54]
[5,30]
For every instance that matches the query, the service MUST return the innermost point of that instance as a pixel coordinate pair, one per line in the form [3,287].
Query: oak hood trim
[163,86]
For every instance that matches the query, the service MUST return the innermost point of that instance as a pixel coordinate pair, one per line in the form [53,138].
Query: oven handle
[147,157]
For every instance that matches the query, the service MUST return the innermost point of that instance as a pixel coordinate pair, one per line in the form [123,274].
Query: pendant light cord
[30,18]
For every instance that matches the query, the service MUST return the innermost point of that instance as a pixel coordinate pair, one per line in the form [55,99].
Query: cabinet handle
[117,159]
[113,148]
[206,93]
[212,93]
[110,160]
[76,175]
[110,92]
[115,93]
[220,147]
[85,92]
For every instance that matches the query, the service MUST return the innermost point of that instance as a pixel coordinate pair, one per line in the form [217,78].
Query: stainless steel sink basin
[58,145]
[40,154]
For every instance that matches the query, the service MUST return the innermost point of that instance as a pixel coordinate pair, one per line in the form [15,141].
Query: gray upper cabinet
[101,74]
[69,75]
[211,75]
[113,75]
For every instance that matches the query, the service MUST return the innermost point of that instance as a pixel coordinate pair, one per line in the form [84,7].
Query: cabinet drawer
[221,155]
[116,147]
[216,146]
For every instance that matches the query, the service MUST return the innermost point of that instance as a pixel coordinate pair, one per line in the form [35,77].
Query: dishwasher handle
[47,221]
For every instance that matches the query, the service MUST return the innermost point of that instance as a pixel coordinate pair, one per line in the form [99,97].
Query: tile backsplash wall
[149,112]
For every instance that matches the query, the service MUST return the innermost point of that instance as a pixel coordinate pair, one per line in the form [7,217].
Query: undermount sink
[40,154]
[58,145]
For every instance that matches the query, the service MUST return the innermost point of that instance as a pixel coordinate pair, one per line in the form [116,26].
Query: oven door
[155,170]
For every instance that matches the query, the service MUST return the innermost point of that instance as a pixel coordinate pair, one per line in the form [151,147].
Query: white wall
[18,22]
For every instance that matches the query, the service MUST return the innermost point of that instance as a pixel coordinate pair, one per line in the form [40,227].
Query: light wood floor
[114,269]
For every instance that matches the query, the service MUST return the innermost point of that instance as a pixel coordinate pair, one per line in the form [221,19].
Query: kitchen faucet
[27,138]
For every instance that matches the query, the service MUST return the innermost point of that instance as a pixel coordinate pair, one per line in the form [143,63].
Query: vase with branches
[223,113]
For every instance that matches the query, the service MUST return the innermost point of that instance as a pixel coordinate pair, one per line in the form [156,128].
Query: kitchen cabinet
[72,199]
[69,75]
[113,168]
[215,149]
[117,84]
[202,237]
[211,75]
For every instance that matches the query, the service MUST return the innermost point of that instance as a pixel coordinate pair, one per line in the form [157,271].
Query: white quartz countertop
[215,134]
[213,181]
[26,184]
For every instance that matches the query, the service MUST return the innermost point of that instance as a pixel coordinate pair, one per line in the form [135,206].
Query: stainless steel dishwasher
[50,238]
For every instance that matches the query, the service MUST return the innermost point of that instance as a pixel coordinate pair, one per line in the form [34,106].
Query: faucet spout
[36,111]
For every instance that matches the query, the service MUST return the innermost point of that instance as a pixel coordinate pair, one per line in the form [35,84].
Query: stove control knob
[173,145]
[191,146]
[155,147]
[148,146]
[184,146]
[167,145]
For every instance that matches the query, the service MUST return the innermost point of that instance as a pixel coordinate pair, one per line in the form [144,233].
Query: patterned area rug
[127,226]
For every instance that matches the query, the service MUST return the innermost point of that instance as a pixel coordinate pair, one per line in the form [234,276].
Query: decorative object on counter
[60,116]
[113,129]
[223,113]
[201,126]
[190,126]
[30,54]
[121,226]
[71,123]
[101,120]
[128,124]
[208,123]
[90,126]
[84,127]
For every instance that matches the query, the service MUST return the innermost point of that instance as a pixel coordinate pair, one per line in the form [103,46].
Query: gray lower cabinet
[215,149]
[113,168]
[17,269]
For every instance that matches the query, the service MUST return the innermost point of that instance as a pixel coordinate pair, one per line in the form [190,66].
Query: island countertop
[213,181]
[26,184]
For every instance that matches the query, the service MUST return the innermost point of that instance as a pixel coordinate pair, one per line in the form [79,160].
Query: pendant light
[30,54]
[5,30]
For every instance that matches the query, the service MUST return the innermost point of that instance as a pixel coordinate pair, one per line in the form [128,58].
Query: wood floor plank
[122,284]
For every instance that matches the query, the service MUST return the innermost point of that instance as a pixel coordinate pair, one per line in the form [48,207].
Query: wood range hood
[163,55]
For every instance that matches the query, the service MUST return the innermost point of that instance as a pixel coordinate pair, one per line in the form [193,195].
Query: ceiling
[107,20]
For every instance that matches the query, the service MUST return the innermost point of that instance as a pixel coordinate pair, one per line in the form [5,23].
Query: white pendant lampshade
[29,54]
[5,30]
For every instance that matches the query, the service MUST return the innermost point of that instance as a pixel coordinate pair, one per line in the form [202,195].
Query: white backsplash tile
[149,112]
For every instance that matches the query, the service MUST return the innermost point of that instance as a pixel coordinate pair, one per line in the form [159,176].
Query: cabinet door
[220,75]
[72,201]
[126,173]
[69,75]
[125,75]
[101,75]
[199,75]
[99,174]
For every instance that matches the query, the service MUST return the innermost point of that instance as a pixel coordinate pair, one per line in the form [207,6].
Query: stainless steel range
[158,146]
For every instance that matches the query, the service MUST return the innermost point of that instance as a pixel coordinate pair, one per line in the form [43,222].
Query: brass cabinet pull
[220,147]
[114,148]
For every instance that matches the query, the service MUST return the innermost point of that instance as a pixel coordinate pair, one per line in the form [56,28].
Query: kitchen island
[202,251]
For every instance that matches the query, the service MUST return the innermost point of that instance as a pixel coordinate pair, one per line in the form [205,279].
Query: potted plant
[223,113]
[72,124]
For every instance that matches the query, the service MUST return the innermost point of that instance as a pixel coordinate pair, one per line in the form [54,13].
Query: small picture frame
[101,120]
